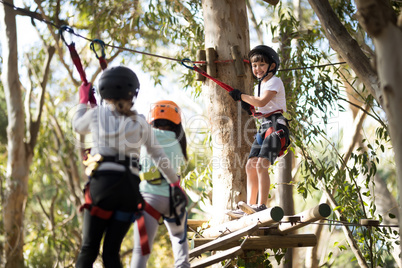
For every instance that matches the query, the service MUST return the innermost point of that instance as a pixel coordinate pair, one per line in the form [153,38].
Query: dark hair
[177,129]
[261,57]
[122,106]
[269,55]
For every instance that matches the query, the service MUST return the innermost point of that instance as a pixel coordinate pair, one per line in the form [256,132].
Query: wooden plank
[201,56]
[317,213]
[194,224]
[263,218]
[218,242]
[267,241]
[238,61]
[211,65]
[221,256]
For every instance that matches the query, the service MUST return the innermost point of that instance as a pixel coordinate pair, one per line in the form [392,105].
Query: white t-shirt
[278,102]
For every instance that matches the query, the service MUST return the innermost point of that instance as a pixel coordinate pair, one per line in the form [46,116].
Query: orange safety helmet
[165,109]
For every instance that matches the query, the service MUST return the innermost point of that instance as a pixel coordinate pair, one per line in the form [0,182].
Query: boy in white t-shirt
[273,136]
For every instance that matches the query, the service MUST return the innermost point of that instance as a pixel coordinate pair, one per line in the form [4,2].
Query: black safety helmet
[118,83]
[271,54]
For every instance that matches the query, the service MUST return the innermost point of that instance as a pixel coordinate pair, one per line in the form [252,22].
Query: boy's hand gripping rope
[220,83]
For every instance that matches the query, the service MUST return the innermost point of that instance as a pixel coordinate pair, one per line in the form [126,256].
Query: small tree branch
[35,123]
[342,42]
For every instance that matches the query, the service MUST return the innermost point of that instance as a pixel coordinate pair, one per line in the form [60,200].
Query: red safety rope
[73,53]
[221,84]
[77,62]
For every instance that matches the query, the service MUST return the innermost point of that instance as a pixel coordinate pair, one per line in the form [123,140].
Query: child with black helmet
[112,197]
[273,136]
[161,203]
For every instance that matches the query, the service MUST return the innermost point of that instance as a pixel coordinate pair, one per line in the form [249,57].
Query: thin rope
[36,17]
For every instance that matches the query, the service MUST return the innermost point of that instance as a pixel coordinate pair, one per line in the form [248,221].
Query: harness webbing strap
[94,210]
[271,113]
[142,230]
[103,63]
[153,212]
[77,62]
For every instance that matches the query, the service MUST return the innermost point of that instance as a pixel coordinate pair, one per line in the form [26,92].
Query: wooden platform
[194,224]
[259,231]
[262,218]
[265,242]
[217,244]
[221,256]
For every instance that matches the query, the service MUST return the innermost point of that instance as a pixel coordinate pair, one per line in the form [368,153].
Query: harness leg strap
[142,229]
[143,235]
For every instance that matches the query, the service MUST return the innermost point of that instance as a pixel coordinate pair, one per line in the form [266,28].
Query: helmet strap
[262,78]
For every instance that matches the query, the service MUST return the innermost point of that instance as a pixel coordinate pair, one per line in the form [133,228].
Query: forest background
[342,118]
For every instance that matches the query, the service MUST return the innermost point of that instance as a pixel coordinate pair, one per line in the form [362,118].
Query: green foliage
[175,29]
[313,101]
[198,178]
[53,228]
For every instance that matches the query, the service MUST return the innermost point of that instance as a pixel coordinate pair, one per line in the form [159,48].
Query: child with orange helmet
[162,201]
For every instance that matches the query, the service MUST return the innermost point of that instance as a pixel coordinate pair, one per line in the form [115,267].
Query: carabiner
[187,60]
[67,29]
[102,45]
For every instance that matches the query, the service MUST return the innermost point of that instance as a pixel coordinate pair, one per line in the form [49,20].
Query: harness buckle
[153,176]
[92,163]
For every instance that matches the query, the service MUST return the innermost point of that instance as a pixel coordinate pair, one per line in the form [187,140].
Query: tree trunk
[285,189]
[226,25]
[386,204]
[16,188]
[380,21]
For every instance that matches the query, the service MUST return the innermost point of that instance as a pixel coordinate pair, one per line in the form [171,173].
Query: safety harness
[273,130]
[92,163]
[154,177]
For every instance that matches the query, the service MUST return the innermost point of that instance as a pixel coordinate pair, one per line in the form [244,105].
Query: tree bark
[380,21]
[226,25]
[22,134]
[285,188]
[16,188]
